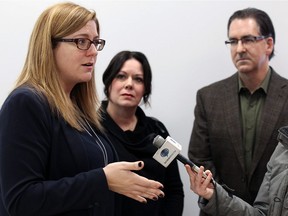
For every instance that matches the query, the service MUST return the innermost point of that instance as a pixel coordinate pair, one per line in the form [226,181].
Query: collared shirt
[251,107]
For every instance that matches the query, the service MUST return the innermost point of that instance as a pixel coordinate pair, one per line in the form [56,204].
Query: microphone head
[158,141]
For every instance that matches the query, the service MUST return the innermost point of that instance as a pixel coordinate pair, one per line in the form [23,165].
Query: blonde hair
[40,70]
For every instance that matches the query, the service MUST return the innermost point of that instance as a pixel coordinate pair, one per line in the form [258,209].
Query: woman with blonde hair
[54,157]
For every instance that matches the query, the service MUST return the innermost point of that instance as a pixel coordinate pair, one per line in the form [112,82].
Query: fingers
[200,181]
[121,180]
[148,188]
[189,170]
[200,185]
[142,194]
[137,165]
[199,175]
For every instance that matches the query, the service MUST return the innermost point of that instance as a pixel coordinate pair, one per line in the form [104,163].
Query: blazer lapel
[233,119]
[76,147]
[270,114]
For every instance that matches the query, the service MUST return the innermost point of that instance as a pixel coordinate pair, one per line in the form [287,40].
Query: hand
[199,185]
[122,180]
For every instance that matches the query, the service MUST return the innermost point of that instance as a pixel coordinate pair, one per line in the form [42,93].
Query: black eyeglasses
[245,41]
[83,43]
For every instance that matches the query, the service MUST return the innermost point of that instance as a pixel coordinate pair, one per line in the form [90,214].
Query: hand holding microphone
[168,150]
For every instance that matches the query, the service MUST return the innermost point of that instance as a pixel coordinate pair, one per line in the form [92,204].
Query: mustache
[242,56]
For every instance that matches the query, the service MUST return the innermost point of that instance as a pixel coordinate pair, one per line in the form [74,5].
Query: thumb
[137,165]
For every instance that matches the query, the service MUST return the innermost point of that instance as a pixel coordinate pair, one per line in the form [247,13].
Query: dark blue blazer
[46,167]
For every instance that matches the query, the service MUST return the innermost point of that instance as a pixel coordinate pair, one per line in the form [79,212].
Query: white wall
[183,40]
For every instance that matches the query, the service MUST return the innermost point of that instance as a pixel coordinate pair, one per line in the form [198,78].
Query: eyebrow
[137,74]
[84,35]
[248,35]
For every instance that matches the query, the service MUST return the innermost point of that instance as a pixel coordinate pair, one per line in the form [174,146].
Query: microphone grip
[193,166]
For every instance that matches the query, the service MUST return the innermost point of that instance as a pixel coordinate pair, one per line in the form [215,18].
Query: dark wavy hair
[117,63]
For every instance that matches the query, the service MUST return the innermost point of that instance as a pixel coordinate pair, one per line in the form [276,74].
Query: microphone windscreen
[158,141]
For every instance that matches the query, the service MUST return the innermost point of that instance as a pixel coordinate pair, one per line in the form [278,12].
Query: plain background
[183,41]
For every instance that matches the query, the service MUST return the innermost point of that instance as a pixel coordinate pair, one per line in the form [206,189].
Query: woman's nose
[128,83]
[92,50]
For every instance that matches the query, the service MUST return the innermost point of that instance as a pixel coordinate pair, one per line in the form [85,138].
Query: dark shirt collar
[264,84]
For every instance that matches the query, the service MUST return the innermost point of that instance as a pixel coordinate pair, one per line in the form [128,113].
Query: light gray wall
[183,40]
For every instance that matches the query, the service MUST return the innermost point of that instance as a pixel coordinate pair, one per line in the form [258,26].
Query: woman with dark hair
[127,81]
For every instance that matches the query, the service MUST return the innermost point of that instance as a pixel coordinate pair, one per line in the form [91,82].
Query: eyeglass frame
[76,41]
[254,40]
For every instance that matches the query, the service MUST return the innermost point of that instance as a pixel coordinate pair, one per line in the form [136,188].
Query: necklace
[97,141]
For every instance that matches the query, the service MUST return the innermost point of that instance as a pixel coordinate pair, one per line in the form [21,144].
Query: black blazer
[45,165]
[216,139]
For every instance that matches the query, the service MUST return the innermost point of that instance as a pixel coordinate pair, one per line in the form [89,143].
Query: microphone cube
[167,152]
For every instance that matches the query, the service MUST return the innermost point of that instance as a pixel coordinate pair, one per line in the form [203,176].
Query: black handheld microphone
[168,150]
